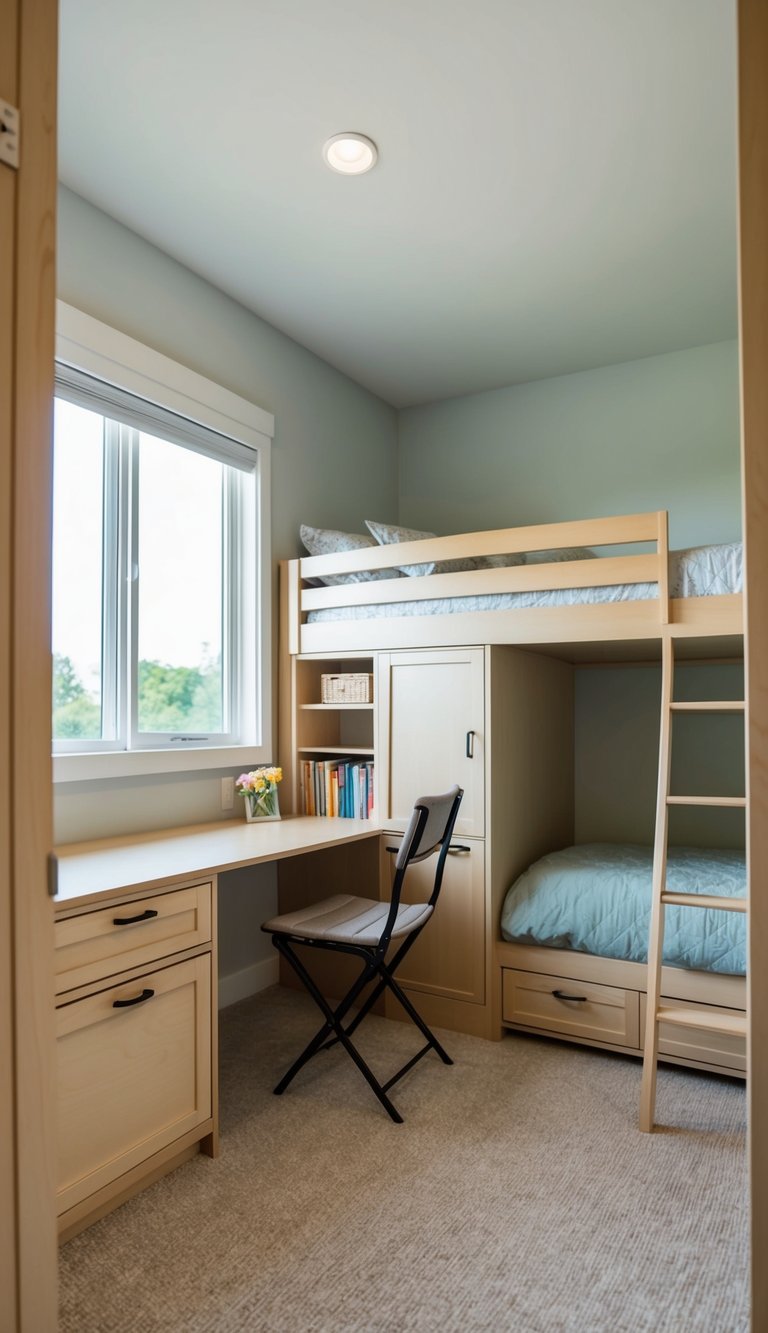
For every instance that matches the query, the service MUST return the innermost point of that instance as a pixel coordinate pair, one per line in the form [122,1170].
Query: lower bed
[574,939]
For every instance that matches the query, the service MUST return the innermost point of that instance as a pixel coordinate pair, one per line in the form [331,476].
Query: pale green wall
[661,433]
[617,754]
[333,457]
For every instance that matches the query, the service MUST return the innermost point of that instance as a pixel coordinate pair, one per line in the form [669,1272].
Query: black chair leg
[389,981]
[333,1023]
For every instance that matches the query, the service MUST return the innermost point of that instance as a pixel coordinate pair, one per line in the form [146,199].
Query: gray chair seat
[347,920]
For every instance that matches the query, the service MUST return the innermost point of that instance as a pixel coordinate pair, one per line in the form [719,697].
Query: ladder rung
[732,1024]
[705,900]
[737,801]
[710,706]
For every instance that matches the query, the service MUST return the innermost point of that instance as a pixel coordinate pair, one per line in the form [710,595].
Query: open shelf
[335,708]
[335,749]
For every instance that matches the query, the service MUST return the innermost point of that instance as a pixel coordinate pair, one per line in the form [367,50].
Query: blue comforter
[597,899]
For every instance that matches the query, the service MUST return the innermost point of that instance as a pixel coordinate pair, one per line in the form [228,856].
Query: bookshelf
[313,732]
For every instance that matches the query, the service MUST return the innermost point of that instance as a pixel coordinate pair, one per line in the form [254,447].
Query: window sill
[144,763]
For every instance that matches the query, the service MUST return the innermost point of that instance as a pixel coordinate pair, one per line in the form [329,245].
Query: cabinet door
[433,722]
[448,957]
[131,1078]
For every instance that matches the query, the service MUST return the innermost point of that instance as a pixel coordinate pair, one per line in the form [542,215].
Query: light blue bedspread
[596,899]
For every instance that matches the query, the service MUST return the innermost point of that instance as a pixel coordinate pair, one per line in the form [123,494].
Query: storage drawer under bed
[718,1049]
[572,1008]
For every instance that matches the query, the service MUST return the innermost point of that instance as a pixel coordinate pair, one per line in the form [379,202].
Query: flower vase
[262,807]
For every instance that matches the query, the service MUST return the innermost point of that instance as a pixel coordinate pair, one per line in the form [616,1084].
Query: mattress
[596,898]
[702,571]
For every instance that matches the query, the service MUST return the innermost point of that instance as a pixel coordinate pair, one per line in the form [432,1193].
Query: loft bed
[499,596]
[616,607]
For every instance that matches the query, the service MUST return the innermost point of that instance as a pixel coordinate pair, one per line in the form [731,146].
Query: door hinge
[9,134]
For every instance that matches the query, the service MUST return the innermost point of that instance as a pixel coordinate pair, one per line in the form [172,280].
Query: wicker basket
[347,688]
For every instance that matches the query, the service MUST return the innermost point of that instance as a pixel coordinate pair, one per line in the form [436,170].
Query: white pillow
[327,541]
[564,553]
[388,534]
[503,561]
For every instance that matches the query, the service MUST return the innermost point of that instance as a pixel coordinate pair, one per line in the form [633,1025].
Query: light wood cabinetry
[136,1044]
[714,1049]
[133,1073]
[578,1009]
[432,725]
[609,1006]
[97,944]
[496,720]
[313,730]
[448,957]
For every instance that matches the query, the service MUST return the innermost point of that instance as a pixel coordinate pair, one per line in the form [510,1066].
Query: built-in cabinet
[432,731]
[135,1044]
[498,721]
[312,729]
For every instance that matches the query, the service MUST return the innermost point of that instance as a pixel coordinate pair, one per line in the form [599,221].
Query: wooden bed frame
[689,617]
[521,979]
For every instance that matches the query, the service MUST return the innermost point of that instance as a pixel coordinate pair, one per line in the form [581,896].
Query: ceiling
[556,185]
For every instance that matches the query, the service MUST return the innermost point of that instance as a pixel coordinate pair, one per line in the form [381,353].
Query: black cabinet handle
[146,994]
[563,995]
[459,847]
[470,745]
[131,920]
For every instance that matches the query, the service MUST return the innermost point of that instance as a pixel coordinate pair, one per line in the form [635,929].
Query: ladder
[733,1024]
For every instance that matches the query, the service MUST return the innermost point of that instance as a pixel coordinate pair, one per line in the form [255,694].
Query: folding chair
[365,927]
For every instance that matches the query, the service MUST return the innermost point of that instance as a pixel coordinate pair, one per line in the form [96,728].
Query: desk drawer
[124,935]
[131,1079]
[601,1013]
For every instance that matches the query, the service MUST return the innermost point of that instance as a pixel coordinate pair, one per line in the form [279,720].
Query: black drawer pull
[131,920]
[146,994]
[459,847]
[470,745]
[563,995]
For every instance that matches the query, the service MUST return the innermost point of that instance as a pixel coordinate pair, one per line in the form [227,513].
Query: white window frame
[88,345]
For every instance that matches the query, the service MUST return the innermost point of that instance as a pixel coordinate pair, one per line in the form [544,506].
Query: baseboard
[239,985]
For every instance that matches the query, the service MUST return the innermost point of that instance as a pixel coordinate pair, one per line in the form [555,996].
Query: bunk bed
[498,598]
[533,591]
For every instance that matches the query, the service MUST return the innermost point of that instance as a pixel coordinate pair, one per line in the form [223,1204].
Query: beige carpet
[518,1195]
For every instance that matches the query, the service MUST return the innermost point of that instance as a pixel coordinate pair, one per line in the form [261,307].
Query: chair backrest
[429,830]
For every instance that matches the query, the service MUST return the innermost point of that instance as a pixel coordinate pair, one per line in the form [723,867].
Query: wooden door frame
[28,62]
[753,305]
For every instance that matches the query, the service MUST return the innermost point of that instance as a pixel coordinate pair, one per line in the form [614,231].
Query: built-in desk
[136,1004]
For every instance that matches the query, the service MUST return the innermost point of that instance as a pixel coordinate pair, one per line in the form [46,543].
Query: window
[160,597]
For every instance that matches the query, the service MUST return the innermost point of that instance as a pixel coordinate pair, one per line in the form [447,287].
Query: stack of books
[342,787]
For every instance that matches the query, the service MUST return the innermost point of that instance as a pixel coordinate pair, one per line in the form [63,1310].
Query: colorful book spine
[343,788]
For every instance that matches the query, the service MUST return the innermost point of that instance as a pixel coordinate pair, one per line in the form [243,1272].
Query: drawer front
[600,1013]
[131,1080]
[711,1048]
[100,944]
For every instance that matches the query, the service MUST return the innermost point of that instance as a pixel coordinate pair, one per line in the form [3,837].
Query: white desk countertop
[91,871]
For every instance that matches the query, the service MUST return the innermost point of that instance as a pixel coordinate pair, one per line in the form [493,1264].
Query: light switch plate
[227,793]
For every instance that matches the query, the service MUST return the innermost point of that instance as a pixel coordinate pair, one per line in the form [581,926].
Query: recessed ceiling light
[350,153]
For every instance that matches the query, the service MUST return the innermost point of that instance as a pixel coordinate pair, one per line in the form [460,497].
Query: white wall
[661,433]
